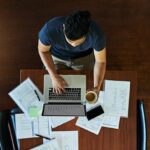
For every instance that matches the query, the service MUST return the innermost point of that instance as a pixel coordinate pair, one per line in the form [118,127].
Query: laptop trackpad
[53,109]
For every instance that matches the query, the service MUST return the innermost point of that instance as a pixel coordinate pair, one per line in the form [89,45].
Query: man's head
[76,27]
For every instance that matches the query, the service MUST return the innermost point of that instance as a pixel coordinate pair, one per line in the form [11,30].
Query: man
[70,41]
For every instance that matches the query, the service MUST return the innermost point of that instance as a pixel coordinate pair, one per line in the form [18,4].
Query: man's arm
[46,58]
[58,82]
[99,68]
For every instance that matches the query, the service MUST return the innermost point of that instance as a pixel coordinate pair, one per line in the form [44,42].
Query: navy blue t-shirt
[52,34]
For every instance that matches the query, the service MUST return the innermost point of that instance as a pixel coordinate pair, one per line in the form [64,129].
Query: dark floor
[126,24]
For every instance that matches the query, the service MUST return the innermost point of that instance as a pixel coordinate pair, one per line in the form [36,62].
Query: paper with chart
[67,140]
[27,129]
[116,98]
[59,120]
[26,96]
[50,145]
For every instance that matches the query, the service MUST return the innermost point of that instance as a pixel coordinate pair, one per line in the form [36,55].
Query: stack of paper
[27,129]
[115,102]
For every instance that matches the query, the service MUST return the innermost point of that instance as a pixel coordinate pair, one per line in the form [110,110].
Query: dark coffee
[90,97]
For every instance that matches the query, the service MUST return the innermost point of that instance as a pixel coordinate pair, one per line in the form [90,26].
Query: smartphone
[94,112]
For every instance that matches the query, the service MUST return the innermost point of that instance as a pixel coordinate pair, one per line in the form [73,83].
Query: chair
[141,126]
[8,139]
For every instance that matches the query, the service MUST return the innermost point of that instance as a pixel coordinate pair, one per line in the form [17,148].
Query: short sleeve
[43,35]
[100,42]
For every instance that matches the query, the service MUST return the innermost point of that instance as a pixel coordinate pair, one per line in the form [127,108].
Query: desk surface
[123,138]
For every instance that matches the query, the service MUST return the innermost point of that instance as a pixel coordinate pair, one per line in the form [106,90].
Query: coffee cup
[91,97]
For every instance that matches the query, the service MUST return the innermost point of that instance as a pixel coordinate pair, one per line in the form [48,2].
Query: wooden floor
[125,22]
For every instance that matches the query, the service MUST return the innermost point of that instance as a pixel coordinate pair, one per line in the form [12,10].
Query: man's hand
[96,90]
[59,84]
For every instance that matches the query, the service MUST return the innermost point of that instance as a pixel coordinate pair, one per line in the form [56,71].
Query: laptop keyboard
[69,94]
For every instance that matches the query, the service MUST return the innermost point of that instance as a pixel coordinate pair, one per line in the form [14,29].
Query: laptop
[69,103]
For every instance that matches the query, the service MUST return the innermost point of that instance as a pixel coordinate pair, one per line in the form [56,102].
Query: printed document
[67,140]
[59,120]
[116,98]
[50,145]
[111,122]
[26,96]
[93,125]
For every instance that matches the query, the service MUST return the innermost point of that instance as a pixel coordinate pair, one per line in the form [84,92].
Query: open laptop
[69,103]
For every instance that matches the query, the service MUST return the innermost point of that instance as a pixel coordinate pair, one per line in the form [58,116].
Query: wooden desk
[108,139]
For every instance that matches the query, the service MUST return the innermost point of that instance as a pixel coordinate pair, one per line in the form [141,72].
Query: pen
[37,95]
[43,136]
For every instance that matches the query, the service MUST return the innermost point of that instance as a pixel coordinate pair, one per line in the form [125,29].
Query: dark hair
[77,24]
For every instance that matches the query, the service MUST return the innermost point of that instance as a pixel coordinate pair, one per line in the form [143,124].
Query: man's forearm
[48,62]
[99,72]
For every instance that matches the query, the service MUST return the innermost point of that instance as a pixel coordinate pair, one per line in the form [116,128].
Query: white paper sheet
[111,122]
[59,120]
[50,145]
[93,125]
[24,128]
[42,125]
[27,129]
[67,140]
[25,96]
[116,98]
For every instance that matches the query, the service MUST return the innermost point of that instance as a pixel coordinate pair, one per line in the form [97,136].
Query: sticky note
[33,111]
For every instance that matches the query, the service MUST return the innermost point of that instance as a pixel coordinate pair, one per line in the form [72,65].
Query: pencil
[43,136]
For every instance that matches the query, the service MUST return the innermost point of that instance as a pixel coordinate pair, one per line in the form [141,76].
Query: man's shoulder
[55,22]
[95,29]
